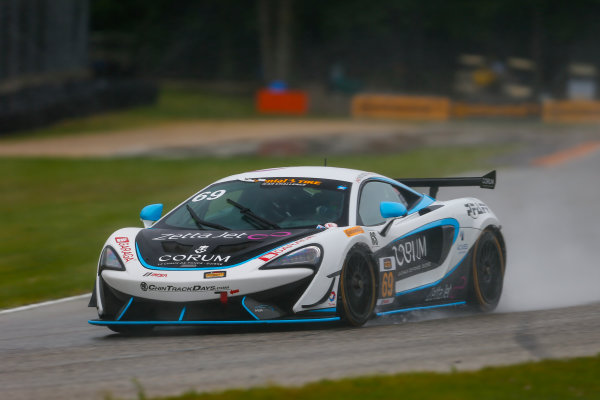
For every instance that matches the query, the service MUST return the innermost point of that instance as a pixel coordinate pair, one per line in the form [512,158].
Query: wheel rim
[489,271]
[358,282]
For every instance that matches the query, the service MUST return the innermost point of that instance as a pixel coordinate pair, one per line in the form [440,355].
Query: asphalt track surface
[550,309]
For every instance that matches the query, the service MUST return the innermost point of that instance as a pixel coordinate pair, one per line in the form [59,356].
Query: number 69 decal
[387,268]
[209,195]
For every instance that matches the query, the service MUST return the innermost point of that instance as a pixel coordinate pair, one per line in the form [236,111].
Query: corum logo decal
[201,249]
[144,286]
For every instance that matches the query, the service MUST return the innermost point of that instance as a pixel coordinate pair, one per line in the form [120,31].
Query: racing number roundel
[387,284]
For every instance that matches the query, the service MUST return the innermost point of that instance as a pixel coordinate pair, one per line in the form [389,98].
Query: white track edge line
[44,303]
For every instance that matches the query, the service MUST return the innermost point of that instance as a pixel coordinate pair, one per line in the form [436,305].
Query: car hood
[171,248]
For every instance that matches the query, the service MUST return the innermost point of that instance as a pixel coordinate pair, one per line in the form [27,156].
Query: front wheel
[487,272]
[357,288]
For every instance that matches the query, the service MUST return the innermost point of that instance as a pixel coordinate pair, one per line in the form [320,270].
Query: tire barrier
[470,110]
[401,107]
[571,111]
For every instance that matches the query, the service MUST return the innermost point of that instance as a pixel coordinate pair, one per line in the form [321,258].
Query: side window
[372,194]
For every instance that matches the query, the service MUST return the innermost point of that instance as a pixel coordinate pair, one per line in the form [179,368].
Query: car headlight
[110,260]
[306,256]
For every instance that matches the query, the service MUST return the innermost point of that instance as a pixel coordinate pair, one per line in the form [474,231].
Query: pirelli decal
[356,230]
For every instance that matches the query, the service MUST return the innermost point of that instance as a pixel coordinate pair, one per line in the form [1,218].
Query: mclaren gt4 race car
[298,245]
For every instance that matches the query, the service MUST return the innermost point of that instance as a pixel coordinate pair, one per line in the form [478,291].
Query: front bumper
[270,306]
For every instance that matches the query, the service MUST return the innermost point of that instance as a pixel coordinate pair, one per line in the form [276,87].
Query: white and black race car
[300,245]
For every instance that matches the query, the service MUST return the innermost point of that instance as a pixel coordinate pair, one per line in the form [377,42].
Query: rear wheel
[357,288]
[487,272]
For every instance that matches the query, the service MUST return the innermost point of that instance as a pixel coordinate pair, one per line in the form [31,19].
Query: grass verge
[57,213]
[547,380]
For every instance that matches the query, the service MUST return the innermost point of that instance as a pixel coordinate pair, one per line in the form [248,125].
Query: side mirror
[150,214]
[389,209]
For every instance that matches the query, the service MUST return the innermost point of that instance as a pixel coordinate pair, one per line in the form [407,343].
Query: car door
[408,249]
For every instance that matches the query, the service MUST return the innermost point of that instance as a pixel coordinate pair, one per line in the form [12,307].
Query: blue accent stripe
[458,303]
[125,309]
[425,200]
[434,283]
[440,222]
[331,309]
[247,309]
[266,321]
[182,314]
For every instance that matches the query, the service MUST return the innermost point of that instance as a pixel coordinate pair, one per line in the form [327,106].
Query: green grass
[57,213]
[175,103]
[547,380]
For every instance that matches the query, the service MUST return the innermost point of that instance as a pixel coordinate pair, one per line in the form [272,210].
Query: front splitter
[188,323]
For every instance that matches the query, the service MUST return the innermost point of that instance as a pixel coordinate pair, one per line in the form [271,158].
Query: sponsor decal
[222,235]
[201,249]
[362,176]
[206,259]
[382,302]
[387,264]
[410,255]
[487,181]
[462,248]
[332,296]
[374,241]
[172,288]
[457,289]
[260,236]
[209,195]
[439,293]
[285,181]
[274,253]
[289,182]
[262,308]
[215,274]
[410,251]
[155,275]
[234,291]
[357,230]
[474,210]
[125,247]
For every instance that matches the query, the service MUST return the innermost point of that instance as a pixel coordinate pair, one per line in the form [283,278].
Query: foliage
[546,380]
[404,44]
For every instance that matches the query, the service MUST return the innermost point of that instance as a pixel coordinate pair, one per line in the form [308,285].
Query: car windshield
[264,203]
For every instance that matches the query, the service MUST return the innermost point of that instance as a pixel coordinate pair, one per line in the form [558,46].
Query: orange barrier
[282,102]
[466,110]
[401,107]
[571,111]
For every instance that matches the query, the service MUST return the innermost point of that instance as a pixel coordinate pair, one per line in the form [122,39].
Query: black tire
[358,288]
[128,330]
[487,272]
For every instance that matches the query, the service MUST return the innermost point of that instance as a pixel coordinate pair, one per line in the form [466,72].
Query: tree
[275,34]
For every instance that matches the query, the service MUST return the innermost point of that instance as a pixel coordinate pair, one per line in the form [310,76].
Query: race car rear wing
[488,181]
